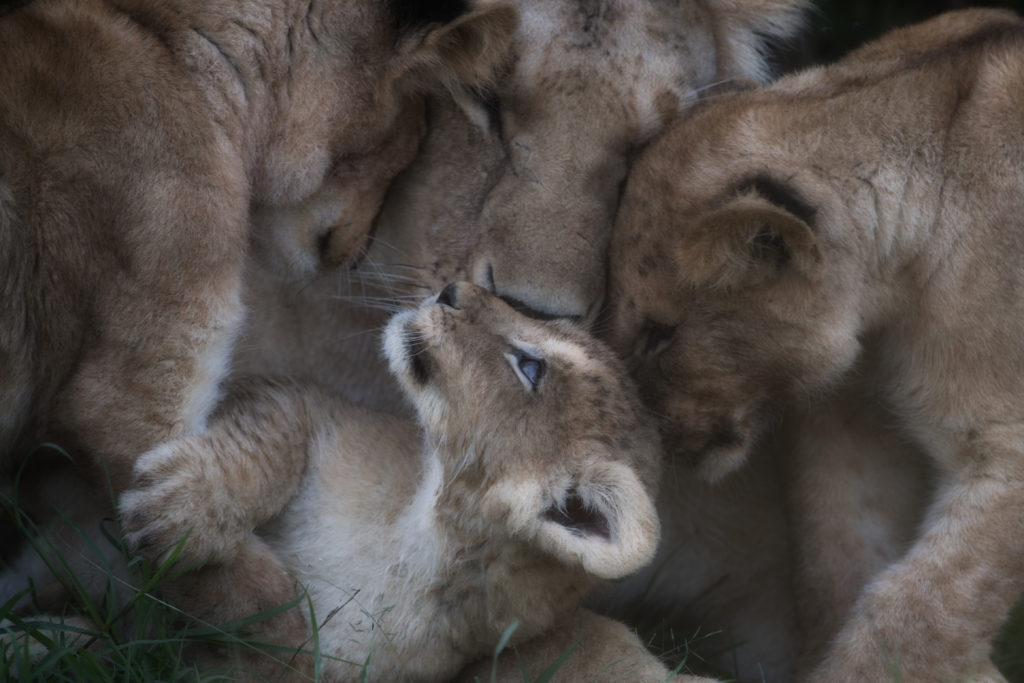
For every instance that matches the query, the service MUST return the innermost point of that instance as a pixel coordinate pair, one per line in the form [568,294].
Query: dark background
[837,26]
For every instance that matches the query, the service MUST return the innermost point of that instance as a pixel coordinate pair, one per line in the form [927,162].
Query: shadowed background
[838,26]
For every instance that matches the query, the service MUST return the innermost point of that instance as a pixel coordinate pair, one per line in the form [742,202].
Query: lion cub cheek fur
[855,231]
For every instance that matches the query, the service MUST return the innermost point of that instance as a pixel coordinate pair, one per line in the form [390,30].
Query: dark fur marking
[529,312]
[413,14]
[779,193]
[323,244]
[416,352]
[578,518]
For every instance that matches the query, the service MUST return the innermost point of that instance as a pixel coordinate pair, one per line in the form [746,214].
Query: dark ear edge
[409,15]
[746,242]
[469,50]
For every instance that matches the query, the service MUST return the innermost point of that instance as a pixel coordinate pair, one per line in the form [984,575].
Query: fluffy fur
[844,247]
[418,551]
[516,184]
[589,83]
[134,138]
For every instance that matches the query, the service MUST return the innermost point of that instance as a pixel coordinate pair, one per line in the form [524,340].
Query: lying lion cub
[533,477]
[853,235]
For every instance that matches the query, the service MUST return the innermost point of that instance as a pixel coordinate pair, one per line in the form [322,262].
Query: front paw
[180,505]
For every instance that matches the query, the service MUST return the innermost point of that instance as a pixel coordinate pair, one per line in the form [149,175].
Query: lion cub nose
[447,297]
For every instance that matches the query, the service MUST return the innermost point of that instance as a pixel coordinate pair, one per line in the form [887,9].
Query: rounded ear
[602,519]
[745,242]
[747,29]
[461,50]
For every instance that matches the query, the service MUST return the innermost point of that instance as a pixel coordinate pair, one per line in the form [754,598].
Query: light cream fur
[841,250]
[134,139]
[418,550]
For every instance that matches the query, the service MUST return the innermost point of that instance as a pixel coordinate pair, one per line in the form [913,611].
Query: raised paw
[179,497]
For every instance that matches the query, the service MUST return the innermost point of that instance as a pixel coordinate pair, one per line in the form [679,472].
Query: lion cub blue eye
[529,369]
[532,368]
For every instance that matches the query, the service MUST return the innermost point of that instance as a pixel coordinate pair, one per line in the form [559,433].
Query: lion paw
[180,498]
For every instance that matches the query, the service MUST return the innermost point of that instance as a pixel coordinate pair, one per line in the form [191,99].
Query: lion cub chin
[530,476]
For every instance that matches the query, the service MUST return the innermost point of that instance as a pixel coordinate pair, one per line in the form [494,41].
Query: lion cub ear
[748,241]
[602,519]
[453,42]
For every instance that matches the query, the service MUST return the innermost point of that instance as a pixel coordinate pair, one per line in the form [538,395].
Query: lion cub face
[763,240]
[536,425]
[728,295]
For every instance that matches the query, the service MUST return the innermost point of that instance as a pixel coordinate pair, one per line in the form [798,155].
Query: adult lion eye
[656,337]
[528,368]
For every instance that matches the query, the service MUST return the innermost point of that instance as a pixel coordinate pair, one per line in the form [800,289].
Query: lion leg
[723,570]
[253,583]
[855,493]
[600,649]
[213,489]
[208,492]
[933,615]
[137,385]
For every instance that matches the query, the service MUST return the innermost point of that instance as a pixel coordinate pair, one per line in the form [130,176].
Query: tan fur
[722,579]
[515,183]
[842,246]
[600,650]
[134,138]
[418,552]
[463,201]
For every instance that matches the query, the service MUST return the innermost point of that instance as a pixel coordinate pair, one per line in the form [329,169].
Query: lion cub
[531,475]
[846,241]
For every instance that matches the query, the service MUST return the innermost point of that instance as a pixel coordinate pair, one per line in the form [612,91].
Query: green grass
[96,640]
[131,634]
[1009,648]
